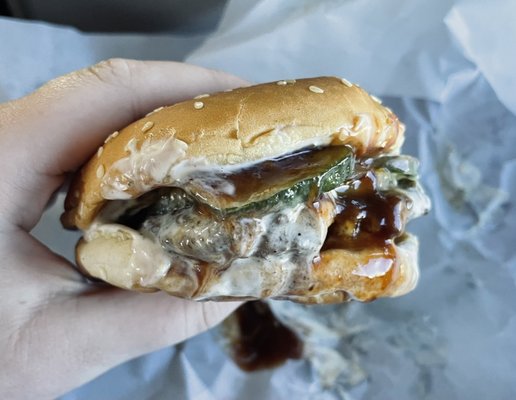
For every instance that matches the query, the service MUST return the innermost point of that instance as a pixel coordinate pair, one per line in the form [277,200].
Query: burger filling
[283,210]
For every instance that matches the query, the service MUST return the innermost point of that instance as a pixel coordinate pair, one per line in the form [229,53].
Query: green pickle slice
[312,173]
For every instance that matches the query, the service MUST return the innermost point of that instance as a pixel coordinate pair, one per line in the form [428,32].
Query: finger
[102,330]
[56,128]
[167,320]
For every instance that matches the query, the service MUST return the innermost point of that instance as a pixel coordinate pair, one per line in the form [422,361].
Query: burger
[293,190]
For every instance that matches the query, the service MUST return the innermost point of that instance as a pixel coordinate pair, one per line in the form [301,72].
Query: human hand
[58,331]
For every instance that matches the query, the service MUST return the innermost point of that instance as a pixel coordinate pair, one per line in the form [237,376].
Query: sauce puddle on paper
[264,342]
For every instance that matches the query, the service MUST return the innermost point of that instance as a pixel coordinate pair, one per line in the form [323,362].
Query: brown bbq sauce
[365,217]
[264,342]
[201,270]
[282,172]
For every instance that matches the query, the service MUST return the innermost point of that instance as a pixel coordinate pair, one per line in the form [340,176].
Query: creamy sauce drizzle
[138,172]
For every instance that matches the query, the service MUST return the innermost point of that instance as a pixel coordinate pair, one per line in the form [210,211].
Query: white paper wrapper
[454,337]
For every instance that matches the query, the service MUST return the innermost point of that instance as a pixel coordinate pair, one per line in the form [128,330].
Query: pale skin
[58,331]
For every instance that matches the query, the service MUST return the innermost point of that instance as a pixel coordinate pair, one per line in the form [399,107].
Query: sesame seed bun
[242,126]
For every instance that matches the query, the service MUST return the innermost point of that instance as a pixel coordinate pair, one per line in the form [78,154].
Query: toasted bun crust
[245,125]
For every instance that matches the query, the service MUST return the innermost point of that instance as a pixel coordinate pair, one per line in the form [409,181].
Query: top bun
[240,126]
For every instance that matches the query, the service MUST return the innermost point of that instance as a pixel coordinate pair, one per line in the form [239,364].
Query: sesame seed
[281,83]
[228,90]
[198,105]
[316,89]
[376,99]
[99,151]
[148,125]
[346,82]
[290,81]
[100,171]
[201,96]
[155,110]
[113,135]
[388,110]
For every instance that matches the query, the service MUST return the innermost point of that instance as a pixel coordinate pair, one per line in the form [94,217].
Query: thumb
[57,128]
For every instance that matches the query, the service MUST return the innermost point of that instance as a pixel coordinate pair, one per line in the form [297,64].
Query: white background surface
[447,69]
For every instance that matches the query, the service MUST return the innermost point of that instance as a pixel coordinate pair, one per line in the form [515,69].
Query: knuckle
[113,71]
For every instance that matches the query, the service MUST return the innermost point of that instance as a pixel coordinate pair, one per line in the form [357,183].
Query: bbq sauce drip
[264,342]
[365,217]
